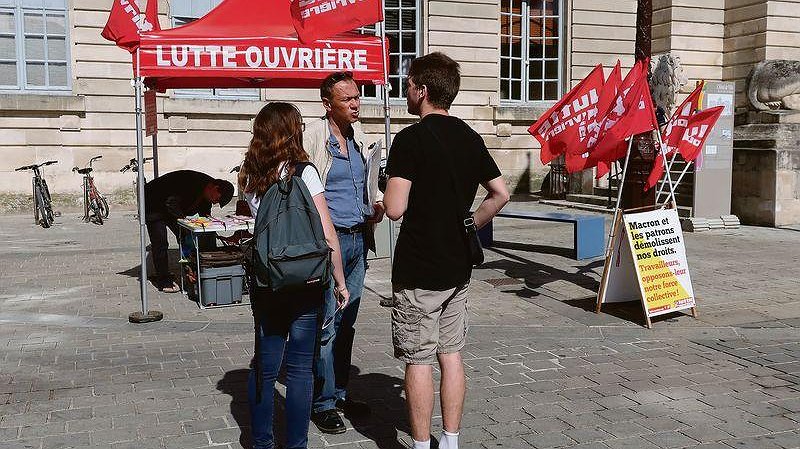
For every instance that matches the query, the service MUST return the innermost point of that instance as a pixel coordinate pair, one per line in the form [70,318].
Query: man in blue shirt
[339,150]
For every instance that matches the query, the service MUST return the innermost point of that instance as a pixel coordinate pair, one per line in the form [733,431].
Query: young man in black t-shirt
[434,168]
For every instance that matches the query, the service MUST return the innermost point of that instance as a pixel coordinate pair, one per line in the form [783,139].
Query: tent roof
[242,43]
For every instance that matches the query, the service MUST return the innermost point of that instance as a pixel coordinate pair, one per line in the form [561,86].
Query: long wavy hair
[277,138]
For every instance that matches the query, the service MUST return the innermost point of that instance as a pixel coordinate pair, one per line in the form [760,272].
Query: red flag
[578,154]
[319,19]
[655,173]
[613,93]
[673,134]
[568,119]
[697,131]
[151,14]
[126,21]
[631,113]
[677,124]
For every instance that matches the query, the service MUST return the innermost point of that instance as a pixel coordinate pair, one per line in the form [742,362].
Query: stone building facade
[65,92]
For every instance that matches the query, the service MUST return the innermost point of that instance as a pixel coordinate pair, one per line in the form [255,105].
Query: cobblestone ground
[544,370]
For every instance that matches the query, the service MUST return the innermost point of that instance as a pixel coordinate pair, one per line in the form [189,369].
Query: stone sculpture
[775,84]
[667,80]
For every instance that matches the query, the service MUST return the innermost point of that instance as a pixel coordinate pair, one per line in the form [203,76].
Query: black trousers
[157,230]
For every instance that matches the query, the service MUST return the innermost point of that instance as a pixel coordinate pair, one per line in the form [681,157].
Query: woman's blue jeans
[286,328]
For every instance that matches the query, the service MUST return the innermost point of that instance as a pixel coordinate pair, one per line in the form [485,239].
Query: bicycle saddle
[84,171]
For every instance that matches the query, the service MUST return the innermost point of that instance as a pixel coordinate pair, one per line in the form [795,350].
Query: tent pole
[387,120]
[144,316]
[155,152]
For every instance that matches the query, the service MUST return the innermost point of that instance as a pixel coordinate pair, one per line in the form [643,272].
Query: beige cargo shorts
[428,322]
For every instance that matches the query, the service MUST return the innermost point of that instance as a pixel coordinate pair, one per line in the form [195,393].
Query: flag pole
[669,169]
[685,169]
[669,176]
[614,224]
[620,184]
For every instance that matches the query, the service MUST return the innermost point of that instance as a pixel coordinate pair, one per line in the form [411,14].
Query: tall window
[34,49]
[185,11]
[403,25]
[530,53]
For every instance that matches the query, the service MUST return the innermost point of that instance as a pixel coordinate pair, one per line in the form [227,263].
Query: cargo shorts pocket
[406,321]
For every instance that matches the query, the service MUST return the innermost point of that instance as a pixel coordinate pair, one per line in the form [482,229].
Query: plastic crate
[221,285]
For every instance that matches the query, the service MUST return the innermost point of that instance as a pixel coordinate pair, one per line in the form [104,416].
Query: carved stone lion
[775,84]
[667,80]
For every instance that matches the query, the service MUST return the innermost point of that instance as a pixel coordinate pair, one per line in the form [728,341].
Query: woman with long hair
[286,323]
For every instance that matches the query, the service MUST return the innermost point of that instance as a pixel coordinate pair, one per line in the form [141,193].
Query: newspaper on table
[227,223]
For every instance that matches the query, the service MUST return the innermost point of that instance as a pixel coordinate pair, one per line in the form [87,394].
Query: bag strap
[298,172]
[465,220]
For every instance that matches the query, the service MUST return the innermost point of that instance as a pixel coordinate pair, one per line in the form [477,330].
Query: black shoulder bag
[473,243]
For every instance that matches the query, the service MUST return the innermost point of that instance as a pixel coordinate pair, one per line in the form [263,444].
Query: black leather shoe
[352,408]
[328,421]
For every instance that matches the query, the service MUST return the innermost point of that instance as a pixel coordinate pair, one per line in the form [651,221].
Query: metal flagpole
[387,118]
[685,169]
[609,249]
[144,316]
[669,169]
[669,176]
[620,184]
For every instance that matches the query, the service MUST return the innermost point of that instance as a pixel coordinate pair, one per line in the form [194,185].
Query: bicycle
[92,199]
[42,204]
[133,166]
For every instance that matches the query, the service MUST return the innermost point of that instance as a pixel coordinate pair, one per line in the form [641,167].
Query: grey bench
[588,230]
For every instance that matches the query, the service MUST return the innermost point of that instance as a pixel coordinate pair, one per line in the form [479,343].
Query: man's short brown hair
[327,84]
[440,75]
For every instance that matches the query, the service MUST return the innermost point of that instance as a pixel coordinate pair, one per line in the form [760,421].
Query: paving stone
[549,440]
[70,363]
[670,439]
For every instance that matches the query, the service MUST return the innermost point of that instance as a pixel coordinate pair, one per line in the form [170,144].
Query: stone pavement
[544,370]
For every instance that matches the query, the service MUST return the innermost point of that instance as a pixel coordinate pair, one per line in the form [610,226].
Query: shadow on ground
[382,392]
[536,274]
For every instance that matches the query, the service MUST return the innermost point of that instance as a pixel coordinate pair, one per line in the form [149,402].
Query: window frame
[418,36]
[20,58]
[525,59]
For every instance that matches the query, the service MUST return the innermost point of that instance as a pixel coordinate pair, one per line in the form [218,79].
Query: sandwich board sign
[647,262]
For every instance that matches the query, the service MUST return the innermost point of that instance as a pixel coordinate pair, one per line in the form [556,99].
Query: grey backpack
[288,250]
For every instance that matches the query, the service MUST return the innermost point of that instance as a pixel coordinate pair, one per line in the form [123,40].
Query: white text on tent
[255,57]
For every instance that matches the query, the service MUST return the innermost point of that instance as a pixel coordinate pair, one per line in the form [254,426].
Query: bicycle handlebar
[132,165]
[35,166]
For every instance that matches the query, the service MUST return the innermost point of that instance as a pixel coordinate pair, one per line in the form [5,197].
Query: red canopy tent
[244,44]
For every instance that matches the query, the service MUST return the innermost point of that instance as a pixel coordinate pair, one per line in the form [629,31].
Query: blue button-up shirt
[345,189]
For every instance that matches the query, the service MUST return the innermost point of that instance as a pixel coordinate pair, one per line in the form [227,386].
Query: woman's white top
[309,176]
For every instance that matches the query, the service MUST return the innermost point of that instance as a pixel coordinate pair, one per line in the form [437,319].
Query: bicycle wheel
[41,209]
[97,214]
[48,202]
[103,206]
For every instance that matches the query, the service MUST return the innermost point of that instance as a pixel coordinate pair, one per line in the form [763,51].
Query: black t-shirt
[431,251]
[176,195]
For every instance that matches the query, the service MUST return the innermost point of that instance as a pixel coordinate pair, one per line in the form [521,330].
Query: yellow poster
[659,255]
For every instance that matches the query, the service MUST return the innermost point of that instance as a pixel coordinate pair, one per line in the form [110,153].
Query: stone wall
[766,171]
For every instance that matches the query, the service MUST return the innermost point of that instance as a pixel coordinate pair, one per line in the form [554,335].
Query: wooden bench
[588,230]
